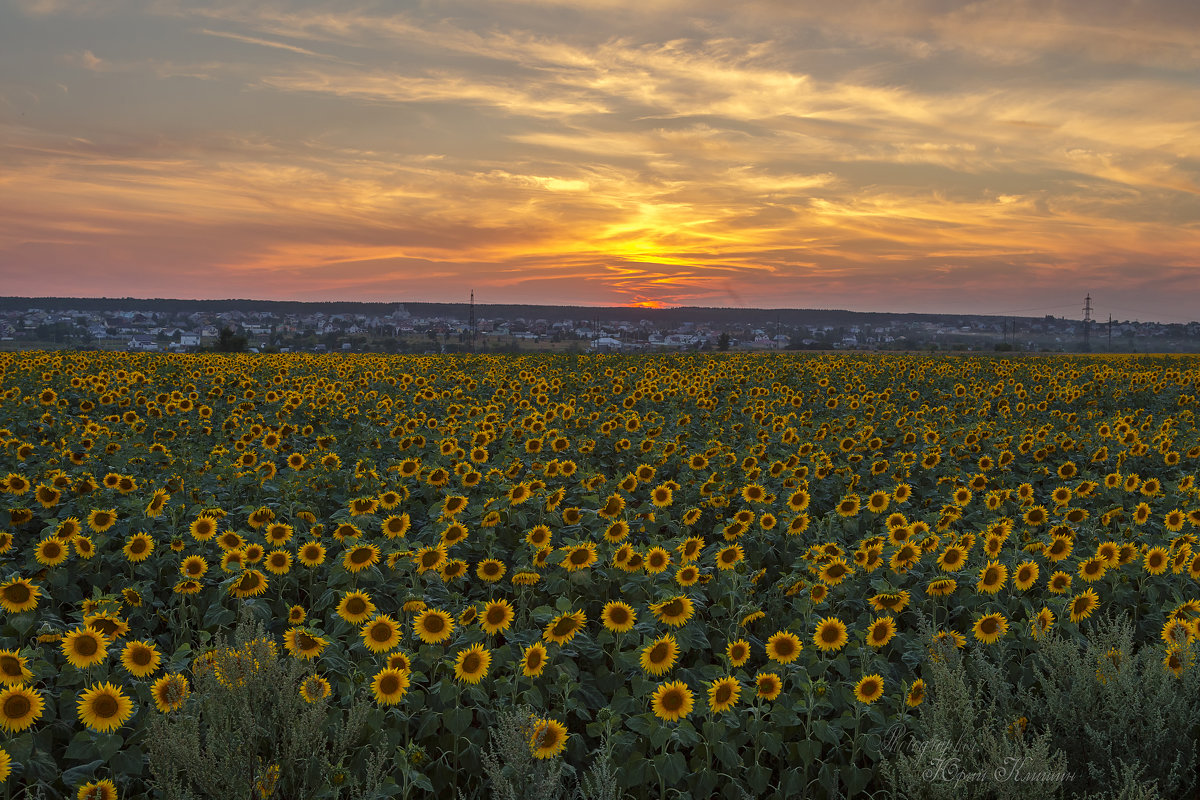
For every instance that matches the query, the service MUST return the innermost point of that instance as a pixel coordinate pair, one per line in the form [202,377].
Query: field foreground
[687,576]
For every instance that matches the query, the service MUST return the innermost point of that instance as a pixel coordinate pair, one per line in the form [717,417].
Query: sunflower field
[306,576]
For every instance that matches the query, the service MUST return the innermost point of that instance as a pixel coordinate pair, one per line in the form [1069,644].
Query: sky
[994,157]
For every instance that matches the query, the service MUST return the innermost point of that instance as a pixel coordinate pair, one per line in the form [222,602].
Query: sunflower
[490,570]
[20,707]
[952,558]
[738,652]
[1059,582]
[85,647]
[657,560]
[563,628]
[389,686]
[355,607]
[312,554]
[728,557]
[381,634]
[429,559]
[539,536]
[618,616]
[672,701]
[471,665]
[830,635]
[1042,623]
[51,551]
[916,694]
[990,627]
[19,594]
[314,689]
[1026,575]
[100,520]
[723,694]
[992,578]
[361,557]
[97,790]
[893,602]
[14,670]
[433,626]
[547,738]
[396,526]
[881,631]
[579,556]
[1092,569]
[251,584]
[869,689]
[783,647]
[533,660]
[1156,560]
[104,707]
[140,658]
[675,612]
[170,692]
[203,528]
[1082,605]
[659,656]
[299,642]
[688,575]
[767,685]
[497,616]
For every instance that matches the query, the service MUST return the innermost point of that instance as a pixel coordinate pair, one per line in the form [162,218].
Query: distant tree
[723,341]
[230,342]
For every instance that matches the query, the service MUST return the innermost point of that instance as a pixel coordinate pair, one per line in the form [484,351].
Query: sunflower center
[724,692]
[471,663]
[830,634]
[495,616]
[434,624]
[989,626]
[17,706]
[141,656]
[86,646]
[18,593]
[11,666]
[307,642]
[660,652]
[360,555]
[105,706]
[563,626]
[389,684]
[579,556]
[672,701]
[534,659]
[381,632]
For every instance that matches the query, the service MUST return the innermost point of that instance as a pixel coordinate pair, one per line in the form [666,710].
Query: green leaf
[77,775]
[671,767]
[458,719]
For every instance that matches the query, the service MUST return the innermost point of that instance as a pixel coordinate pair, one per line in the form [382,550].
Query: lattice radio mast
[1087,324]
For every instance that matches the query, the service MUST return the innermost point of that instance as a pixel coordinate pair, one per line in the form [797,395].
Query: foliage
[741,507]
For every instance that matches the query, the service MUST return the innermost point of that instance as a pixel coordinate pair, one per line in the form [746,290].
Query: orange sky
[896,155]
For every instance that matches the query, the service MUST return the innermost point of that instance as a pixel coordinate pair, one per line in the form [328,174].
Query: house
[141,341]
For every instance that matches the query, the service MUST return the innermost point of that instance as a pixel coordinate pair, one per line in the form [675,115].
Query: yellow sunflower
[20,707]
[548,738]
[84,647]
[723,694]
[869,689]
[433,626]
[389,686]
[471,665]
[104,707]
[672,701]
[830,635]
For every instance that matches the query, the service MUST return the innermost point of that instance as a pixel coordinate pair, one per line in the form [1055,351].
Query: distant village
[399,331]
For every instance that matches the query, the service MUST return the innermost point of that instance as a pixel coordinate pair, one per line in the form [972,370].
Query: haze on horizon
[989,157]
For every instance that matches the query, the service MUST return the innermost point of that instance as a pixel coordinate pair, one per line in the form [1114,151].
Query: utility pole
[1110,333]
[471,322]
[1087,324]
